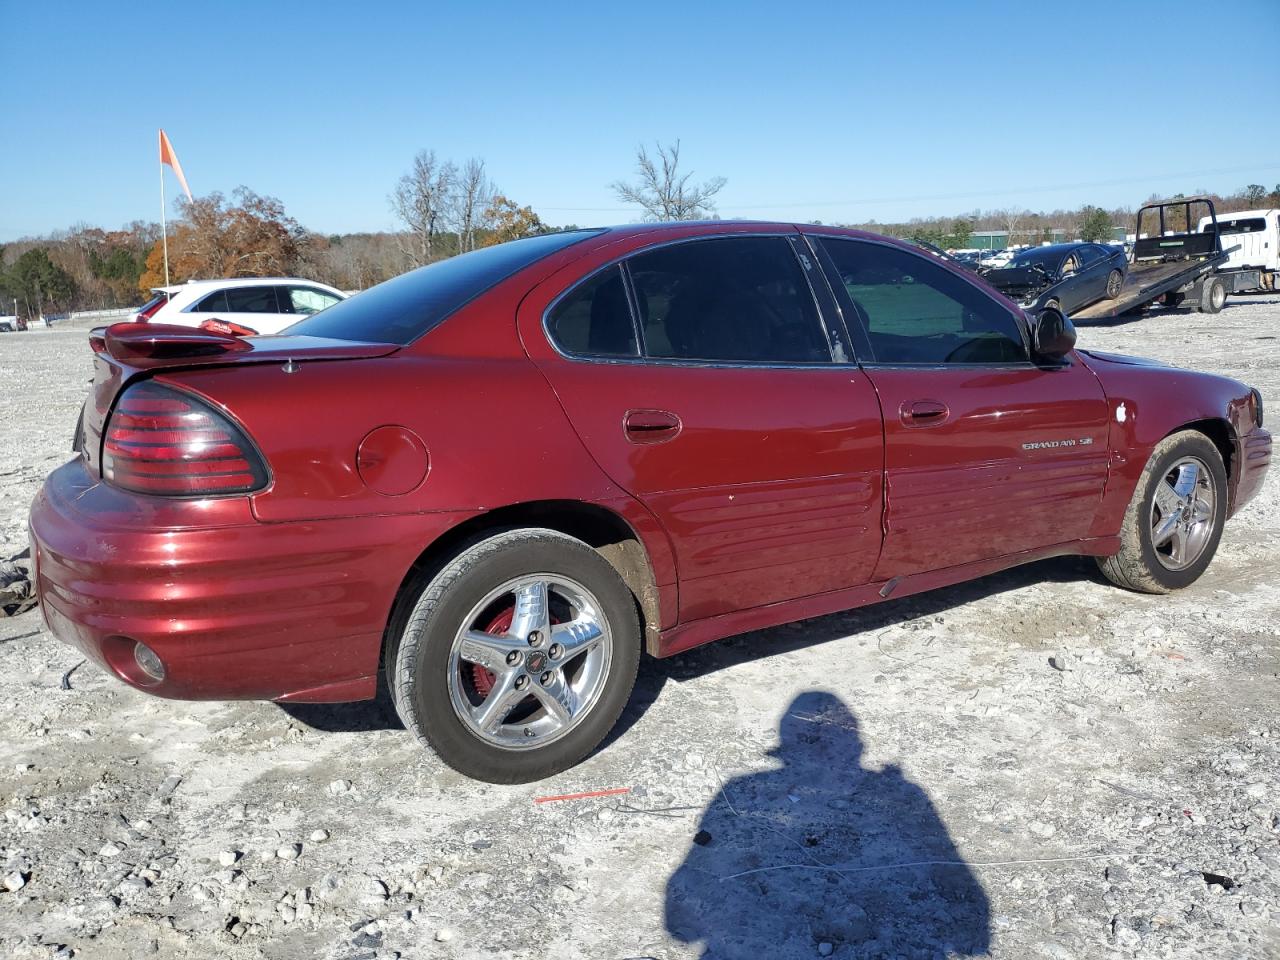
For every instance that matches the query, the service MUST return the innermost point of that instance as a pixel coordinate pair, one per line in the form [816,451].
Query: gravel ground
[1035,764]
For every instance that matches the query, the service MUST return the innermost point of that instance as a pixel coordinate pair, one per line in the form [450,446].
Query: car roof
[238,282]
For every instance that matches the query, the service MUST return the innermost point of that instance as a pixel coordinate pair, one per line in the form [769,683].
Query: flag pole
[164,232]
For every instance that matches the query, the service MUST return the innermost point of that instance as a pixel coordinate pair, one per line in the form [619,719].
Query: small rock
[1042,829]
[110,849]
[133,885]
[1058,662]
[375,890]
[24,767]
[702,838]
[339,787]
[228,857]
[605,815]
[319,836]
[290,851]
[13,882]
[305,910]
[825,949]
[444,935]
[287,913]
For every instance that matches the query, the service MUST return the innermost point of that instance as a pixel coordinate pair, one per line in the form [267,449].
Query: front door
[986,454]
[701,377]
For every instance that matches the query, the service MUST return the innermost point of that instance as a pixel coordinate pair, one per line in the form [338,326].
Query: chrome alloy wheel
[1182,513]
[530,661]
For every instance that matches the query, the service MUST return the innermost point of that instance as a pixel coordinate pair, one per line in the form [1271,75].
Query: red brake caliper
[499,625]
[481,677]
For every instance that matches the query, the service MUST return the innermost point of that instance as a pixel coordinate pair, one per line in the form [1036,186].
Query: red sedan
[502,477]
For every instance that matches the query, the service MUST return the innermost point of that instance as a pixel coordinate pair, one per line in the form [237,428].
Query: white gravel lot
[910,780]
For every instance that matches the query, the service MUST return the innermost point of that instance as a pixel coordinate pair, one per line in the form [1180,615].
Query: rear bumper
[1254,457]
[238,610]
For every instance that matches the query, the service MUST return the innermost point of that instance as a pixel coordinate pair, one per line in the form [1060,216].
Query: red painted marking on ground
[583,796]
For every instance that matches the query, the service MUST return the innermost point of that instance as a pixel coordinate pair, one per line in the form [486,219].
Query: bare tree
[422,199]
[663,192]
[1010,218]
[471,198]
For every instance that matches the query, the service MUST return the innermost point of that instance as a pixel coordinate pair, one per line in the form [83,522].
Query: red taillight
[165,442]
[149,309]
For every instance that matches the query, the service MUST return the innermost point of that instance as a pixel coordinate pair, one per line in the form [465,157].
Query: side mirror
[1053,336]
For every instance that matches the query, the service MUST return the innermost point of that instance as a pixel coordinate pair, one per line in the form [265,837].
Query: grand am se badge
[1050,444]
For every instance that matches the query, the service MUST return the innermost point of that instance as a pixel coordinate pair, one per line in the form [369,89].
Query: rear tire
[1149,561]
[459,649]
[1213,295]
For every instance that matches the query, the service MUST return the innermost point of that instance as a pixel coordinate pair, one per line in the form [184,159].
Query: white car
[245,305]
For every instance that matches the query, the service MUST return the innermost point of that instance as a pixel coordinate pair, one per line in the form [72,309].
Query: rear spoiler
[156,344]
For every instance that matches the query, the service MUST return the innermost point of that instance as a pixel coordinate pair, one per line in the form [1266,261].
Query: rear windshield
[407,306]
[1248,225]
[1041,257]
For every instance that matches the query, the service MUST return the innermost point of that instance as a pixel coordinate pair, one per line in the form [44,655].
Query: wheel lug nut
[555,652]
[535,638]
[521,682]
[513,657]
[547,678]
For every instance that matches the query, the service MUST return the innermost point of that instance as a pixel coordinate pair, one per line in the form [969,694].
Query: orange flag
[168,156]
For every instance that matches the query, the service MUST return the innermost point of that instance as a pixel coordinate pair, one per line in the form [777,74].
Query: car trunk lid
[126,352]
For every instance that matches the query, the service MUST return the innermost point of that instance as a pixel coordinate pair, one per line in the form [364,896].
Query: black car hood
[1018,282]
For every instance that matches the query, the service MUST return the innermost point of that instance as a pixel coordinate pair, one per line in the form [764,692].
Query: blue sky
[842,112]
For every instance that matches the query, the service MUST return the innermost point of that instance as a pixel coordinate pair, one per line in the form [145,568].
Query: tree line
[444,208]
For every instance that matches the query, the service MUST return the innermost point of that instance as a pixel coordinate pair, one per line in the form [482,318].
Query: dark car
[1067,276]
[501,478]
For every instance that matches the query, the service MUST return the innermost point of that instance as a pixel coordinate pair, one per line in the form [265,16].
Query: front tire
[518,656]
[1115,283]
[1173,523]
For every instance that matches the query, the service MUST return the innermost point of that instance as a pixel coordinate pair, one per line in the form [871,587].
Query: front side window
[916,311]
[251,300]
[594,319]
[731,299]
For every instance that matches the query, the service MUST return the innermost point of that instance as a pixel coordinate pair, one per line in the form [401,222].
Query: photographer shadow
[821,850]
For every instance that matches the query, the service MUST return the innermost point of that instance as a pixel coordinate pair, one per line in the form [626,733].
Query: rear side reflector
[165,442]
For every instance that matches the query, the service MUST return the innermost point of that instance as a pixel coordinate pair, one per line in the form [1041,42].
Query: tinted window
[251,300]
[918,312]
[739,299]
[305,300]
[594,319]
[1248,225]
[213,303]
[1090,254]
[404,308]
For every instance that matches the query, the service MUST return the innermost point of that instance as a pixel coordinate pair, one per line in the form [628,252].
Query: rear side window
[305,300]
[213,303]
[733,299]
[404,308]
[918,312]
[251,300]
[594,319]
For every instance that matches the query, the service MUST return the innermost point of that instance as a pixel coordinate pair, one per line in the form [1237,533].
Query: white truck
[1251,239]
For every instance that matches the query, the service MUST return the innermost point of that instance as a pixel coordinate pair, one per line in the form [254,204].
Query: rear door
[986,454]
[705,380]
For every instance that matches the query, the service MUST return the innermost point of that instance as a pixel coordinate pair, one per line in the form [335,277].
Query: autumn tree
[663,192]
[422,199]
[252,237]
[508,220]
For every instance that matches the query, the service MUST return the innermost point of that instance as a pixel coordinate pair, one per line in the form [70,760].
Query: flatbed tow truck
[1172,262]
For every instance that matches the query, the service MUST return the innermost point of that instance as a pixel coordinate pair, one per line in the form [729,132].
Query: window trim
[863,344]
[622,262]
